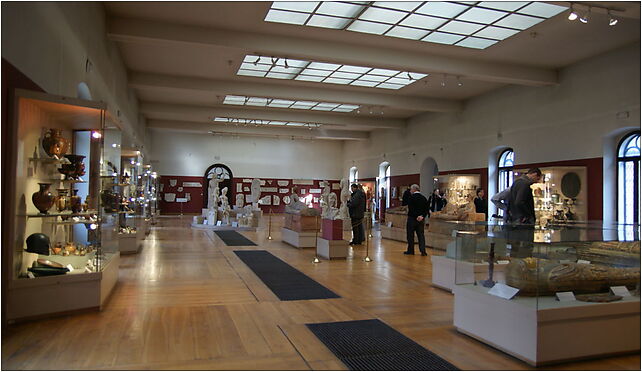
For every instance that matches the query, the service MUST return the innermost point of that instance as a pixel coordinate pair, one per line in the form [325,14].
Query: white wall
[188,154]
[50,42]
[542,124]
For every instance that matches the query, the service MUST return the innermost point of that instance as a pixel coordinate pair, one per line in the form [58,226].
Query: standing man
[481,206]
[357,208]
[417,211]
[436,202]
[522,205]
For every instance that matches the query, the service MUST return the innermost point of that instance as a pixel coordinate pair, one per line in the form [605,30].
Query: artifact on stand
[75,202]
[489,283]
[38,243]
[54,143]
[330,211]
[343,208]
[43,199]
[536,276]
[296,206]
[240,201]
[212,194]
[75,169]
[256,193]
[225,207]
[110,200]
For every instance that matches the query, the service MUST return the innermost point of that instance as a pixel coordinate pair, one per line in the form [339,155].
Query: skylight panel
[317,79]
[276,122]
[519,21]
[477,43]
[234,100]
[399,80]
[323,66]
[498,33]
[389,86]
[406,33]
[401,5]
[251,73]
[346,108]
[299,6]
[369,27]
[376,78]
[364,83]
[338,9]
[422,21]
[357,69]
[542,9]
[297,63]
[328,22]
[383,15]
[463,28]
[251,66]
[286,17]
[336,81]
[315,72]
[442,38]
[383,71]
[480,15]
[345,75]
[441,9]
[279,75]
[256,101]
[295,124]
[503,5]
[285,70]
[280,103]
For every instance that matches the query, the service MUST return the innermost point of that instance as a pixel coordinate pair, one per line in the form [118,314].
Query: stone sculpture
[256,193]
[296,206]
[331,212]
[212,193]
[345,197]
[324,196]
[240,201]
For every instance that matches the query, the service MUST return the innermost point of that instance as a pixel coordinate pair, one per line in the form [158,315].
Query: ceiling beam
[206,113]
[144,31]
[252,89]
[320,133]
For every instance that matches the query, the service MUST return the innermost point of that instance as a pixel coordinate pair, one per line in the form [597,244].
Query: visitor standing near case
[501,201]
[436,202]
[522,205]
[481,205]
[417,211]
[406,196]
[357,209]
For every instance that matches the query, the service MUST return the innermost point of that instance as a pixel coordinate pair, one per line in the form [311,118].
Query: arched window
[628,177]
[505,167]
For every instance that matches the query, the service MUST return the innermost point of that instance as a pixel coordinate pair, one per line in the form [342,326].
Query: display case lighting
[138,164]
[96,134]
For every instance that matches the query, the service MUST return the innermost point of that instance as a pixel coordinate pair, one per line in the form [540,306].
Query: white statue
[223,199]
[297,206]
[324,197]
[212,193]
[256,193]
[345,197]
[211,217]
[240,201]
[331,211]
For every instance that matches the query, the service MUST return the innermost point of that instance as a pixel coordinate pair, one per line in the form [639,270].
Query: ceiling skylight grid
[285,103]
[261,122]
[471,24]
[321,72]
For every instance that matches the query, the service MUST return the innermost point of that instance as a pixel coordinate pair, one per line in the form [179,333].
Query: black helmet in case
[38,243]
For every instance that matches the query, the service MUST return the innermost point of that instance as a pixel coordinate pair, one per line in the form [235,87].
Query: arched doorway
[429,170]
[224,173]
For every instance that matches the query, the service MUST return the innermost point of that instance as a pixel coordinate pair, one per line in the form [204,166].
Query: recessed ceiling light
[430,21]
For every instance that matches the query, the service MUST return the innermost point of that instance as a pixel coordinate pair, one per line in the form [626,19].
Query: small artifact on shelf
[75,202]
[70,247]
[48,271]
[54,143]
[75,169]
[598,297]
[48,263]
[57,249]
[489,283]
[62,200]
[43,199]
[38,243]
[127,230]
[537,276]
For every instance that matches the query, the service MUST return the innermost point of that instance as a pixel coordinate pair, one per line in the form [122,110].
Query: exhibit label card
[620,290]
[565,296]
[503,291]
[503,262]
[71,268]
[583,262]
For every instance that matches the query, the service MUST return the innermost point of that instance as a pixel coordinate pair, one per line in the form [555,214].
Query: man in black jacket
[406,196]
[357,209]
[417,211]
[522,205]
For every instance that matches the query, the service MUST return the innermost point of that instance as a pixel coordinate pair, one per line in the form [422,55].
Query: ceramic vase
[54,143]
[43,199]
[62,200]
[75,202]
[75,169]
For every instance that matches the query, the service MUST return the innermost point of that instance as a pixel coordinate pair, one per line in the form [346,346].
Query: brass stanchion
[368,236]
[316,237]
[270,225]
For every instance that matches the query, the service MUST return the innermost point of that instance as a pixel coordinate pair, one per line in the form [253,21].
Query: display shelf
[50,160]
[41,215]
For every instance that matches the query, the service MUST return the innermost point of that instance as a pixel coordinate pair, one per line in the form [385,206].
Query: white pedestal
[332,249]
[127,243]
[299,239]
[544,331]
[394,233]
[447,271]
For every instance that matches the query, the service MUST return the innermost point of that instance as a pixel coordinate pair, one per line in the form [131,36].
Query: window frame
[621,180]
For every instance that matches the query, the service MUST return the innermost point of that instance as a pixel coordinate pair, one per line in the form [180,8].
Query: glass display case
[60,260]
[530,290]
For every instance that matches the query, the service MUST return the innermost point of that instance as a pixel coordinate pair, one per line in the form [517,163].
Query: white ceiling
[183,58]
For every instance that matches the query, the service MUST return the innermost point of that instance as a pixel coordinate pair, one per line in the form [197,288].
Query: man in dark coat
[522,205]
[417,211]
[481,205]
[406,196]
[357,209]
[436,202]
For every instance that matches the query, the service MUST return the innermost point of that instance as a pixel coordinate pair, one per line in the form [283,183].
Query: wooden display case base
[61,294]
[332,249]
[447,271]
[298,239]
[544,331]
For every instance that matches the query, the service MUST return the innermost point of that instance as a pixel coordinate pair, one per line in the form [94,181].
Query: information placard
[565,296]
[620,290]
[504,291]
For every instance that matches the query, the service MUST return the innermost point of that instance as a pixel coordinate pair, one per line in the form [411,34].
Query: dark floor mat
[368,345]
[233,238]
[287,283]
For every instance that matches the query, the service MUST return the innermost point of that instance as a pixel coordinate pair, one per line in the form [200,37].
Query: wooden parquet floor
[187,302]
